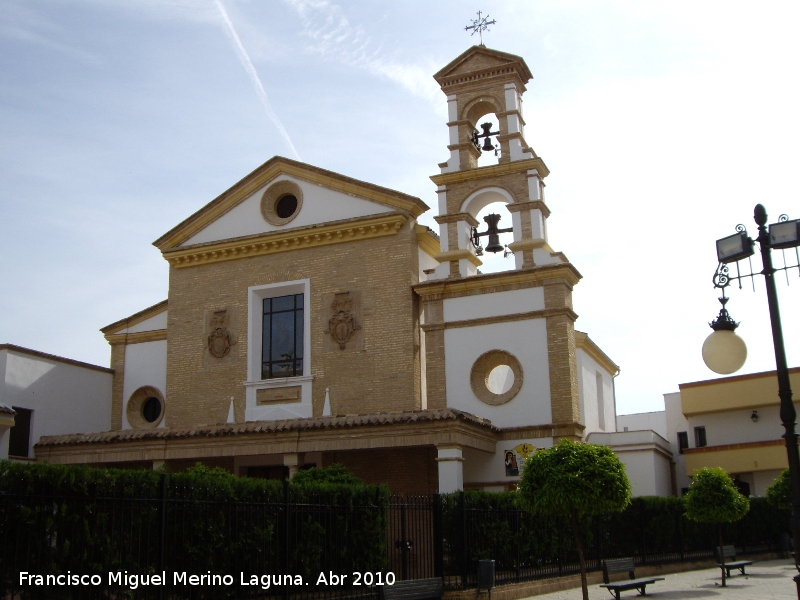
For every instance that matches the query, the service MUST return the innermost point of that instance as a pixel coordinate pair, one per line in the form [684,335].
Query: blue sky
[662,123]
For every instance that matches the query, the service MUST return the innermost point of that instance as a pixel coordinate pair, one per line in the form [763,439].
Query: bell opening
[488,144]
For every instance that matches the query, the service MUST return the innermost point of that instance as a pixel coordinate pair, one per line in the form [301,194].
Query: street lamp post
[781,235]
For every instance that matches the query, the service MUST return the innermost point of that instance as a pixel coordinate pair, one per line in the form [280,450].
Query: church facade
[311,320]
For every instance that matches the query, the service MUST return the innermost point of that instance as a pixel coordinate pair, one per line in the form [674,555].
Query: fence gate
[414,528]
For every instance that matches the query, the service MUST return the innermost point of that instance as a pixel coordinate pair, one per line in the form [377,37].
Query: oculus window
[282,337]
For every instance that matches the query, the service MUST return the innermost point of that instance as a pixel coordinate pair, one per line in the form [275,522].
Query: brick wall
[384,376]
[405,470]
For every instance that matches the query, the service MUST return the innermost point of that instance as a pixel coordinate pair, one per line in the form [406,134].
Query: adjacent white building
[43,394]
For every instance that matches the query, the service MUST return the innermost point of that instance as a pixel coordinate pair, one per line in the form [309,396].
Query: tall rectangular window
[19,440]
[683,441]
[700,437]
[282,337]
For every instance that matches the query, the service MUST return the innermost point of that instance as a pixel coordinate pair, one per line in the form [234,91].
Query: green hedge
[651,529]
[55,519]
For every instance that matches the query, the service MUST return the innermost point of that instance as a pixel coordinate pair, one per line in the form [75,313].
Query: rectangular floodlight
[784,235]
[734,247]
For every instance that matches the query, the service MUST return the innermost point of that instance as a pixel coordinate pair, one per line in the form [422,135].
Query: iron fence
[355,546]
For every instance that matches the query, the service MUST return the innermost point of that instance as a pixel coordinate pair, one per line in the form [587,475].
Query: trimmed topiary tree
[714,498]
[574,480]
[779,494]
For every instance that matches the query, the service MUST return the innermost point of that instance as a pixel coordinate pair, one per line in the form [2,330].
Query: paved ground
[771,579]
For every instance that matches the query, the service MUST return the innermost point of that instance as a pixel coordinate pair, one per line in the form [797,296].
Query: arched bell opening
[487,143]
[485,127]
[495,230]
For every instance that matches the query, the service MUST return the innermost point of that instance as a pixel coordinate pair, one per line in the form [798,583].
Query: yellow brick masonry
[383,377]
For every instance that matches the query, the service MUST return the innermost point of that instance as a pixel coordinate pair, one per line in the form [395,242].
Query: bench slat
[415,589]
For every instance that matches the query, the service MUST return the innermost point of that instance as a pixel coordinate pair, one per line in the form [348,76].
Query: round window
[281,202]
[151,409]
[496,377]
[286,206]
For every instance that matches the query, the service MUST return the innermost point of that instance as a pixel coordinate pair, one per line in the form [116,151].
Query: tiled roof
[7,410]
[256,427]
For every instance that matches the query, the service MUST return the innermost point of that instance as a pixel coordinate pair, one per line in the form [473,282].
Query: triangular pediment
[481,58]
[326,197]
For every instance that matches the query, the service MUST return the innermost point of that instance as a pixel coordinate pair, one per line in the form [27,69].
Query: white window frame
[255,312]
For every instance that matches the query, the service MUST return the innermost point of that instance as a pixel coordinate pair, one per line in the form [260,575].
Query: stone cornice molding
[283,241]
[136,318]
[540,275]
[541,431]
[530,205]
[517,166]
[585,343]
[140,337]
[427,240]
[535,314]
[457,217]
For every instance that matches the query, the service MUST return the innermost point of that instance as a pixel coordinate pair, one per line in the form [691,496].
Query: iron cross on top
[480,25]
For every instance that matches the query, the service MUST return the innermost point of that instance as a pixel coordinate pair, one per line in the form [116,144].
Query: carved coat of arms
[342,324]
[220,340]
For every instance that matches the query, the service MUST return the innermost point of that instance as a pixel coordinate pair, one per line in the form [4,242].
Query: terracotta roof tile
[255,427]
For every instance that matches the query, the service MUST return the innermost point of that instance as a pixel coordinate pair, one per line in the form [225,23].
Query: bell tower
[479,82]
[498,345]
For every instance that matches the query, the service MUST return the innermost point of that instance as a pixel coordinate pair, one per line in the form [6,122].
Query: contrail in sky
[251,72]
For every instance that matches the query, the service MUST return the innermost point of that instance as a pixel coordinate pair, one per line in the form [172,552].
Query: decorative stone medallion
[343,320]
[220,336]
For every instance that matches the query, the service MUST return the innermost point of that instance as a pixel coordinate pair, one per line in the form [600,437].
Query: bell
[487,145]
[494,244]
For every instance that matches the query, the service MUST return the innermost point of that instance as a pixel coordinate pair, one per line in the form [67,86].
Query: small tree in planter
[713,498]
[574,480]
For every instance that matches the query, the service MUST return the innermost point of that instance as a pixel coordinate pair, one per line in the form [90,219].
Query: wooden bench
[730,552]
[625,565]
[414,589]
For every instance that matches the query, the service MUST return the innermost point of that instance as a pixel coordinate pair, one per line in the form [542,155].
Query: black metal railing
[259,544]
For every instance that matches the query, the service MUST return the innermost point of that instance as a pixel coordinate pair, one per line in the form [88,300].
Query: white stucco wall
[677,422]
[591,406]
[527,341]
[656,421]
[320,205]
[65,398]
[646,456]
[145,364]
[736,427]
[426,261]
[492,305]
[489,467]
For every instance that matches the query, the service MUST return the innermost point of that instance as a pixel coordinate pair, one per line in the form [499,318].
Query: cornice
[542,431]
[142,315]
[456,218]
[426,240]
[529,244]
[140,337]
[540,275]
[458,255]
[517,166]
[284,241]
[269,171]
[585,343]
[534,314]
